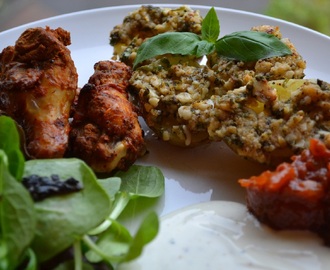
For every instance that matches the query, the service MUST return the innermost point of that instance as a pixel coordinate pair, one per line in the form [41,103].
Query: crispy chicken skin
[38,82]
[105,131]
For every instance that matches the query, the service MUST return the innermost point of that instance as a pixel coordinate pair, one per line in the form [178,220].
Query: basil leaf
[211,26]
[184,43]
[10,143]
[204,47]
[249,46]
[17,218]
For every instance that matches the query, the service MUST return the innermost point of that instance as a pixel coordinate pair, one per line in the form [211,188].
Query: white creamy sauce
[223,235]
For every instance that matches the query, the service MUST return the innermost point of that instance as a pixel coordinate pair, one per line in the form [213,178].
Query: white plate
[194,175]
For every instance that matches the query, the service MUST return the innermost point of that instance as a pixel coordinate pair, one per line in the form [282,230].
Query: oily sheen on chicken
[38,82]
[106,132]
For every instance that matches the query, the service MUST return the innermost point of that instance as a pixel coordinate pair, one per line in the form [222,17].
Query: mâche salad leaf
[17,218]
[68,212]
[138,181]
[10,143]
[33,233]
[243,46]
[117,245]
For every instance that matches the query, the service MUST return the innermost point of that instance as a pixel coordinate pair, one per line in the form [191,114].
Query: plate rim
[135,6]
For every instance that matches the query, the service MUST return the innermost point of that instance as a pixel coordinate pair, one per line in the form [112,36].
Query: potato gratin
[264,110]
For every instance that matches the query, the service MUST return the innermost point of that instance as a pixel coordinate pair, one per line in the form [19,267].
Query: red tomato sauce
[295,195]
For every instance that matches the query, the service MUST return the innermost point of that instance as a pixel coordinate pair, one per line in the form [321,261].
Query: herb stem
[119,206]
[77,255]
[90,243]
[101,228]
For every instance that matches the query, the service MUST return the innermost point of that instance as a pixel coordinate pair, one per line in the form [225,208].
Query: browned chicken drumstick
[105,130]
[38,82]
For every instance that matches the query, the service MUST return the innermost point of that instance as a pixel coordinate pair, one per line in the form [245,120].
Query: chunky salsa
[295,195]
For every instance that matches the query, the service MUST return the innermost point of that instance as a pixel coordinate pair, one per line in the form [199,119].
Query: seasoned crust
[165,86]
[270,121]
[148,21]
[185,102]
[38,82]
[235,73]
[38,44]
[105,129]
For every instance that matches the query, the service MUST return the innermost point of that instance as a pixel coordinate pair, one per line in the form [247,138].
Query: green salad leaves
[83,222]
[244,45]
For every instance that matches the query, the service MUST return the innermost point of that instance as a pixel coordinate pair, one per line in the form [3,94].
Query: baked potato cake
[164,87]
[264,110]
[176,94]
[149,21]
[269,121]
[237,73]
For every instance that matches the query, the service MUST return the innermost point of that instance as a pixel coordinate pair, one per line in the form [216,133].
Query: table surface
[17,12]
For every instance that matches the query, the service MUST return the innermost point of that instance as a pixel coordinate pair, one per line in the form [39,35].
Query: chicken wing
[106,132]
[38,82]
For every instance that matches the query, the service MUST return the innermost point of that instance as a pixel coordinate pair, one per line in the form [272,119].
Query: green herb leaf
[63,218]
[211,26]
[147,231]
[116,245]
[251,46]
[204,47]
[143,181]
[10,143]
[112,245]
[17,218]
[38,231]
[183,43]
[111,185]
[243,46]
[137,181]
[32,261]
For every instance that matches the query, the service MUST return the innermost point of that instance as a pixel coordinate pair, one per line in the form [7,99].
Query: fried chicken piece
[38,82]
[106,132]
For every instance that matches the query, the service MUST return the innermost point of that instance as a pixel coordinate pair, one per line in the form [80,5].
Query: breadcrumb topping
[264,110]
[149,21]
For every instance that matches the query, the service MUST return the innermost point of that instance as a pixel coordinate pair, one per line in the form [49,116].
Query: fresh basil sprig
[211,26]
[251,46]
[243,45]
